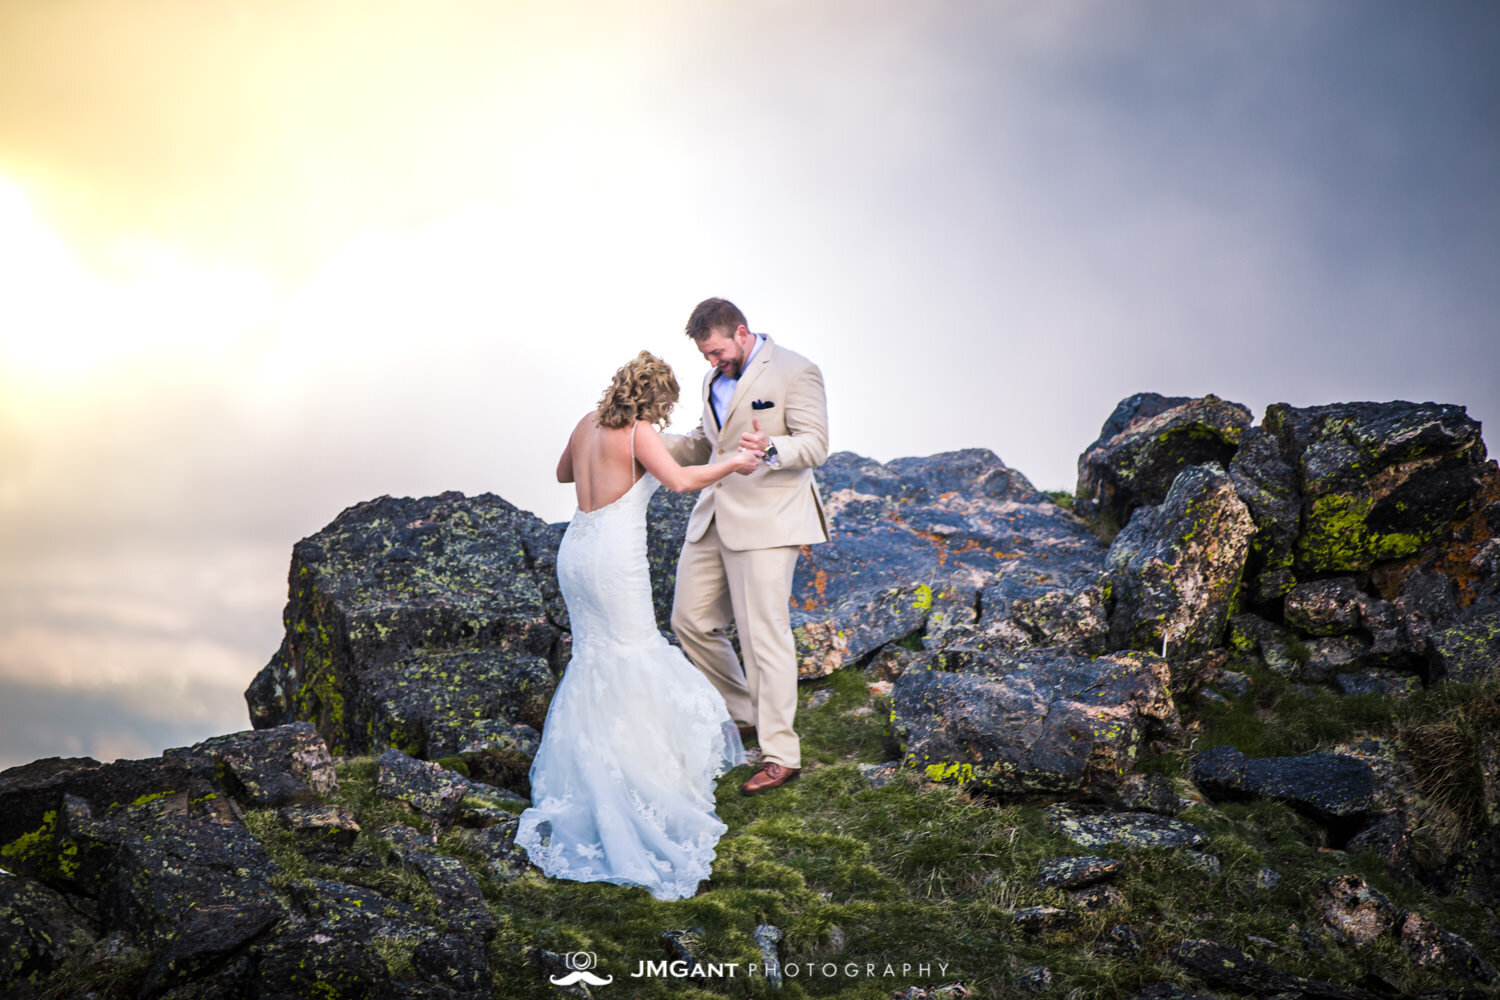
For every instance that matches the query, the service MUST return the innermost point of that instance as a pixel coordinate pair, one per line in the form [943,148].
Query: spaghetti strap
[632,451]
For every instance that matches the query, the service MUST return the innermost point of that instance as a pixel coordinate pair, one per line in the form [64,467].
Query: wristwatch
[771,457]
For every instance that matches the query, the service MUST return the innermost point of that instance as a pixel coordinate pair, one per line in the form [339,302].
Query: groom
[745,532]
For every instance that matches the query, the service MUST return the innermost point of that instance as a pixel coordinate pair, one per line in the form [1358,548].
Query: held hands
[746,462]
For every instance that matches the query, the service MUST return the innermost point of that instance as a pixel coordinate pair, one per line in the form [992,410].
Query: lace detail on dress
[623,782]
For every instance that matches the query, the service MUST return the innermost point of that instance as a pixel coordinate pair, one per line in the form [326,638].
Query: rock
[460,900]
[1036,919]
[1095,898]
[209,939]
[504,860]
[1174,568]
[1035,979]
[1355,912]
[268,767]
[1432,947]
[1148,440]
[1203,861]
[913,542]
[328,959]
[1324,607]
[1378,480]
[1326,658]
[154,863]
[1469,648]
[321,826]
[767,936]
[889,663]
[1075,873]
[456,961]
[880,775]
[1335,789]
[1150,792]
[1138,830]
[1220,965]
[408,621]
[1232,682]
[1389,838]
[426,786]
[1267,483]
[1037,721]
[1267,878]
[1122,940]
[39,932]
[1376,680]
[500,752]
[1021,612]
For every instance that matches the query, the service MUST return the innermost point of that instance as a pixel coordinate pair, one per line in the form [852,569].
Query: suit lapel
[748,377]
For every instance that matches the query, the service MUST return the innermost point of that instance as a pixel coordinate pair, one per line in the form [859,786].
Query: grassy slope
[917,873]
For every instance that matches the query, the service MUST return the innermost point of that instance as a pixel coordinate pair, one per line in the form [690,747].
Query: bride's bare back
[603,469]
[598,462]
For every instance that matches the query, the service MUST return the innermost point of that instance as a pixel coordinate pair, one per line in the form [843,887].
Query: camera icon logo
[580,962]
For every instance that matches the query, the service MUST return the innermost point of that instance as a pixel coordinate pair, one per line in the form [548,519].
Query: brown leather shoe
[770,775]
[747,732]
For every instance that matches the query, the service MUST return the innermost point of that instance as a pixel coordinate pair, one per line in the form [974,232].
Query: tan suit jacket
[772,506]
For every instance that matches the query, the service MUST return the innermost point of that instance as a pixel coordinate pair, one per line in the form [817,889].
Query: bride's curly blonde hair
[644,389]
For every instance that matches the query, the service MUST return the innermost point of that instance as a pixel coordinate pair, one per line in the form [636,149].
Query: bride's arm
[565,464]
[652,453]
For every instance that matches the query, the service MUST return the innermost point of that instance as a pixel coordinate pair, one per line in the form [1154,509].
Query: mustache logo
[579,976]
[580,962]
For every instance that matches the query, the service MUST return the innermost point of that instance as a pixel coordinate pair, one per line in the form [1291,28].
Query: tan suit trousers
[754,588]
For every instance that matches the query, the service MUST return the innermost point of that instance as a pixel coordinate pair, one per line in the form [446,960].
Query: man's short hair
[714,314]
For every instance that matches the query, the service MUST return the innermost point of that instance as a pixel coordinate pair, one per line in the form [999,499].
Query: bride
[623,783]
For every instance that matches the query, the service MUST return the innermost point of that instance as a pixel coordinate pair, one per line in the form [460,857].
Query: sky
[262,261]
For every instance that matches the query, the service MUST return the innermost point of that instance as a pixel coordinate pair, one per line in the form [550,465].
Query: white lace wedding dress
[622,785]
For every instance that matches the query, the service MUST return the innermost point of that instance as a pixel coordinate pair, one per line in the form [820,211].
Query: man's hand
[754,440]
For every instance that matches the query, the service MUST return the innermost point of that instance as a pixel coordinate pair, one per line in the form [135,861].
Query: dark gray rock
[1174,568]
[320,826]
[1376,680]
[1469,648]
[1138,830]
[153,863]
[1378,480]
[1075,873]
[408,621]
[39,931]
[1439,950]
[1324,607]
[1036,919]
[1149,792]
[915,541]
[1333,655]
[267,767]
[1267,483]
[329,959]
[1220,965]
[208,941]
[1037,721]
[1335,789]
[1155,438]
[1024,612]
[1122,940]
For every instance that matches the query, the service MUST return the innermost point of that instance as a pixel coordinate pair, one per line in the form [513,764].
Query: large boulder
[1031,723]
[1148,440]
[1339,488]
[1175,568]
[915,541]
[1338,790]
[417,624]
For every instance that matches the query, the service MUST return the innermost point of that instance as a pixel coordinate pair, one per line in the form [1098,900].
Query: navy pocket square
[761,404]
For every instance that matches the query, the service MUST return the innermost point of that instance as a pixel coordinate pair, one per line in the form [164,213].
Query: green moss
[1336,536]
